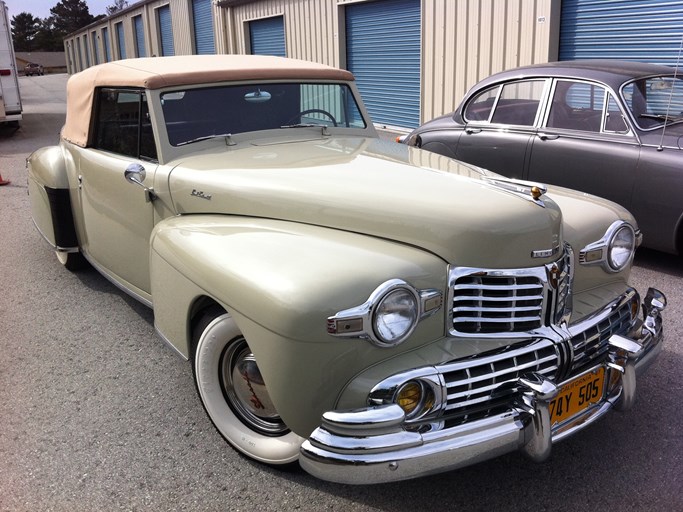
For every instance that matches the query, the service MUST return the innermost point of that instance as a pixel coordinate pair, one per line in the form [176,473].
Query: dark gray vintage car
[610,128]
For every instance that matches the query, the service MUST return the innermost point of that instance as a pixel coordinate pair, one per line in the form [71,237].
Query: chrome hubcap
[245,390]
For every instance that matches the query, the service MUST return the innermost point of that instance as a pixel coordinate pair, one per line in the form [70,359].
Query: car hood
[373,187]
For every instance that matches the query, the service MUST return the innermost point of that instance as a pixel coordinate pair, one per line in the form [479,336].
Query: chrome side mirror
[135,173]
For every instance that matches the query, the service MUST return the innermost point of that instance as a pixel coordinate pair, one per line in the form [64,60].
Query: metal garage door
[267,36]
[139,37]
[106,43]
[202,17]
[120,40]
[641,30]
[383,52]
[165,31]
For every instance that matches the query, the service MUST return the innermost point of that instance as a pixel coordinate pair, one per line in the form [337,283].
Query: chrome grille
[478,385]
[484,384]
[487,301]
[592,344]
[488,304]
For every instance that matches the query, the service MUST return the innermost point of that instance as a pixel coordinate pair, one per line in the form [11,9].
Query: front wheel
[235,396]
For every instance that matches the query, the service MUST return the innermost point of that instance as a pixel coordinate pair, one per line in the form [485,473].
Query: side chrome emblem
[200,194]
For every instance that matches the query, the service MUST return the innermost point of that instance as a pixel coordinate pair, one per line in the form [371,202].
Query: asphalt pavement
[97,414]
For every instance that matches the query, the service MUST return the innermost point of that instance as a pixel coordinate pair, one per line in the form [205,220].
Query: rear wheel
[235,396]
[71,260]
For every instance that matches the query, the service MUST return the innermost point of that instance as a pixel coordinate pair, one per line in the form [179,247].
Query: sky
[41,8]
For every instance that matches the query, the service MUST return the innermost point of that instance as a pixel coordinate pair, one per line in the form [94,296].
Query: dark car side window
[583,106]
[514,103]
[123,125]
[518,103]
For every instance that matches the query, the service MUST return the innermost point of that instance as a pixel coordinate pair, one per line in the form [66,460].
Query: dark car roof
[610,72]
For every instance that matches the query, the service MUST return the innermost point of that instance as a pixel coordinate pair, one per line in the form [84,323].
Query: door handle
[470,131]
[548,136]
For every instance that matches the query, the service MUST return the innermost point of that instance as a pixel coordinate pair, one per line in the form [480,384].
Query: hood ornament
[529,190]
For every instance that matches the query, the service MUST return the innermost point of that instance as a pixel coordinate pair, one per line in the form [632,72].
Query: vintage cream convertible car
[373,310]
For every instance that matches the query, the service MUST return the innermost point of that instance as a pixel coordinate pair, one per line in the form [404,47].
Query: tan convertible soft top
[158,72]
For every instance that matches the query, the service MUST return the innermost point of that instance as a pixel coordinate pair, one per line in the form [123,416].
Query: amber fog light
[415,398]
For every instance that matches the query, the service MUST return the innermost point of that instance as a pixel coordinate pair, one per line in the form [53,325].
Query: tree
[69,16]
[47,39]
[24,31]
[118,5]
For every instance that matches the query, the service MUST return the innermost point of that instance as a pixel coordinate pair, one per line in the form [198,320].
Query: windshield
[654,101]
[201,113]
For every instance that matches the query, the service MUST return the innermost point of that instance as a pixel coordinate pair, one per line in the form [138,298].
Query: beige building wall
[463,41]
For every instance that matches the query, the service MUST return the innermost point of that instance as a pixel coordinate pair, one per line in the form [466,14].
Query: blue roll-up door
[267,36]
[120,40]
[202,17]
[165,31]
[96,46]
[140,49]
[106,44]
[87,50]
[383,41]
[640,30]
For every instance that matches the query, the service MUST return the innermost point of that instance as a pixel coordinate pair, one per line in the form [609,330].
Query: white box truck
[10,100]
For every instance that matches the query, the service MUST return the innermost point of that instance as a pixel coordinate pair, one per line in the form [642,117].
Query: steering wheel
[313,111]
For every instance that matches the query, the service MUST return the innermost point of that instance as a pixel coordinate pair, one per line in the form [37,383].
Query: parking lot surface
[96,413]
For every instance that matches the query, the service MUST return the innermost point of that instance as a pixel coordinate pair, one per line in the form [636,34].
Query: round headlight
[396,316]
[621,248]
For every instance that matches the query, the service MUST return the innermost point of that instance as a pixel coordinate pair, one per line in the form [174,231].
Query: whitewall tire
[235,397]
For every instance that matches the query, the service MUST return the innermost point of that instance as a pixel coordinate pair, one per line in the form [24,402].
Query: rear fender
[49,195]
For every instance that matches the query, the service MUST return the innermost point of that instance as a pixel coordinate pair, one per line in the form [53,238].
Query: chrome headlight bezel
[601,252]
[362,321]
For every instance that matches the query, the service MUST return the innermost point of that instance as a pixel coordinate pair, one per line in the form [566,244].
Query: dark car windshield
[654,101]
[201,113]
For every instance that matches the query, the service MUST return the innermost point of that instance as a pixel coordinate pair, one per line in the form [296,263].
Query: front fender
[281,281]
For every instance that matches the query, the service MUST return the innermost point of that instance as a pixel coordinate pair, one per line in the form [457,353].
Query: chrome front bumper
[371,445]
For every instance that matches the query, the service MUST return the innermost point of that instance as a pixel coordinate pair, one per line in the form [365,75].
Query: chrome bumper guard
[371,445]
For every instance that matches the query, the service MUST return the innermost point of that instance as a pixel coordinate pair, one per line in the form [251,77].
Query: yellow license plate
[577,395]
